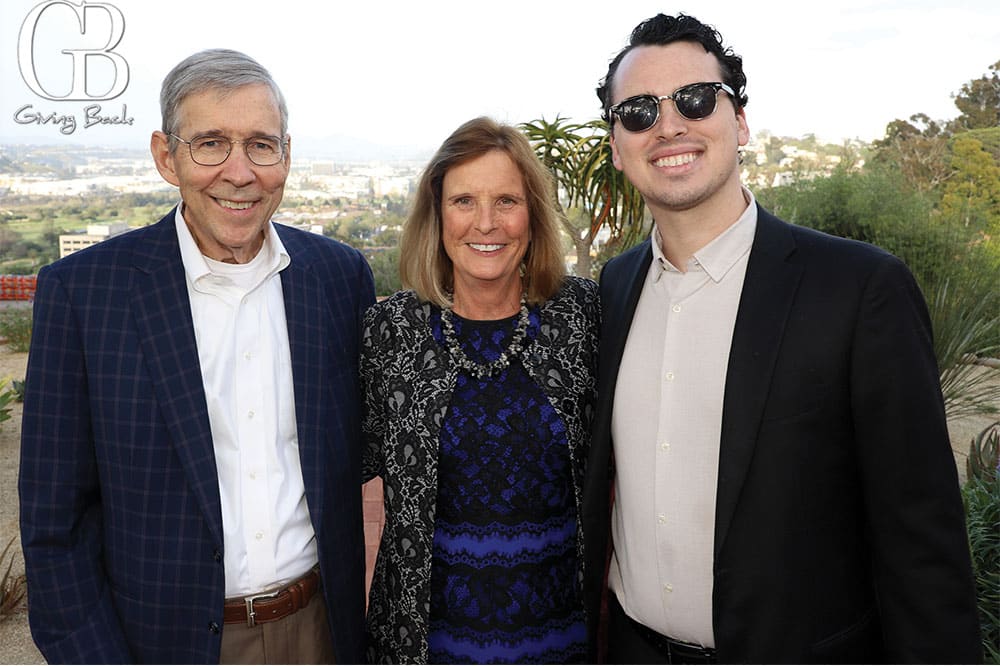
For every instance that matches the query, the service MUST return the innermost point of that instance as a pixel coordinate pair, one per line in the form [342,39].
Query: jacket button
[213,627]
[217,555]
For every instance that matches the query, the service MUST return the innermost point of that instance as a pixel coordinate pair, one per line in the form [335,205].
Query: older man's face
[227,206]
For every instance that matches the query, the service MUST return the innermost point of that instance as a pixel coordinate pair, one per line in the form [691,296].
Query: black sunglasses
[694,102]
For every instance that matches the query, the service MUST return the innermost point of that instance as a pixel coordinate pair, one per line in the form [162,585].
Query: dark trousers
[629,642]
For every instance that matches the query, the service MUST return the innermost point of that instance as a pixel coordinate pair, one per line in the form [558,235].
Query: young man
[190,464]
[784,488]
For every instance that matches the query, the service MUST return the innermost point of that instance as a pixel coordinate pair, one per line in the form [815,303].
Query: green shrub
[15,328]
[981,495]
[878,207]
[954,265]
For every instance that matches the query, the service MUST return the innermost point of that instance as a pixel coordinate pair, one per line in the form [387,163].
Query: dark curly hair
[661,30]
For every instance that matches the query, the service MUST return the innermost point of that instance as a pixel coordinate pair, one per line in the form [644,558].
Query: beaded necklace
[481,370]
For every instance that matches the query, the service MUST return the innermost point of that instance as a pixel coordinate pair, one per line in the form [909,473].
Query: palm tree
[591,192]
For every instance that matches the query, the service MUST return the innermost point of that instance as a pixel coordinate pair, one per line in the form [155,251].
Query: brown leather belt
[271,606]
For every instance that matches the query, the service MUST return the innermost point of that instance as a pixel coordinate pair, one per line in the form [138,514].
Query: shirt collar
[197,268]
[722,253]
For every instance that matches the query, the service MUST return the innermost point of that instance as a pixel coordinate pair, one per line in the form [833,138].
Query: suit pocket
[860,643]
[799,403]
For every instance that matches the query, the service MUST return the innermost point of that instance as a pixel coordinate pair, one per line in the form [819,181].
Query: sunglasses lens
[639,113]
[696,101]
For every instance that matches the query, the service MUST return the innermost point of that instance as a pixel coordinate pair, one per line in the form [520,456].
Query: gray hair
[214,69]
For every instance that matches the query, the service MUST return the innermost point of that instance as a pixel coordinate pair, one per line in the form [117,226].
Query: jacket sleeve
[921,560]
[71,614]
[373,423]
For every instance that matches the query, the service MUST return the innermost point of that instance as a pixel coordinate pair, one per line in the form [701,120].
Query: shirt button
[662,519]
[665,446]
[669,376]
[253,476]
[668,588]
[250,414]
[246,355]
[676,308]
[259,536]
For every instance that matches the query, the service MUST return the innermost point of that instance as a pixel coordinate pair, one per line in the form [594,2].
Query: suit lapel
[166,333]
[617,313]
[621,286]
[769,288]
[308,339]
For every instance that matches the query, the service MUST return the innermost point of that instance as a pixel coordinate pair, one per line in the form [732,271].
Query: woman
[479,386]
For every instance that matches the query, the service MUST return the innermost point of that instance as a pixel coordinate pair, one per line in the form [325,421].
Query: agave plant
[8,395]
[13,588]
[984,454]
[966,326]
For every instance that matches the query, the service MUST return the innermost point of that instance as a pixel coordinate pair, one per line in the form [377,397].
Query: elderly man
[190,463]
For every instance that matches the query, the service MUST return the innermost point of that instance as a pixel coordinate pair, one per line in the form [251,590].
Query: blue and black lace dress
[503,568]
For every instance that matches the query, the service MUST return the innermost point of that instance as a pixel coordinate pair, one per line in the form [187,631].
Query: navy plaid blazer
[121,521]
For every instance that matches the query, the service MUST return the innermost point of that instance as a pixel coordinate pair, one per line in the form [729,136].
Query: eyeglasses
[213,150]
[695,102]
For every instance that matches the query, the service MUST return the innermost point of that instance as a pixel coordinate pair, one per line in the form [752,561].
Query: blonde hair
[425,267]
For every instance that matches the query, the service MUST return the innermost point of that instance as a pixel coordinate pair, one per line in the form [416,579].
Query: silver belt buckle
[251,613]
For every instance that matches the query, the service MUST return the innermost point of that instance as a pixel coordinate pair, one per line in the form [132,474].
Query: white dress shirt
[242,336]
[666,425]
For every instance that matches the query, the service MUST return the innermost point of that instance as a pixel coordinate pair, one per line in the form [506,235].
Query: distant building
[70,243]
[391,185]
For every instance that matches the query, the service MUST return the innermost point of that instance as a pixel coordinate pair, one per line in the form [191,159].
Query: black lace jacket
[407,382]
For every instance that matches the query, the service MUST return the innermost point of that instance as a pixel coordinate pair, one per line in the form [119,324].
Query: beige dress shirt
[666,425]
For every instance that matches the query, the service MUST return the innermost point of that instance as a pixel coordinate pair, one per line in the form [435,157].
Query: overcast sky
[406,73]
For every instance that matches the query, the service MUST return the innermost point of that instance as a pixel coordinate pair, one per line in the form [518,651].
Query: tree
[8,238]
[979,102]
[773,150]
[972,196]
[579,157]
[918,149]
[384,263]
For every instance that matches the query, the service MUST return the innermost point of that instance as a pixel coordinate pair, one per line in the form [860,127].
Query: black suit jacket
[839,533]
